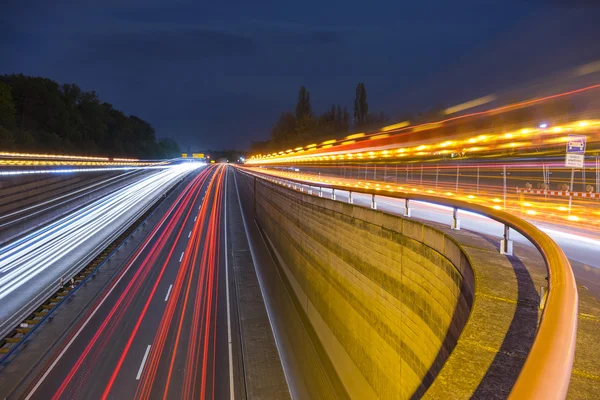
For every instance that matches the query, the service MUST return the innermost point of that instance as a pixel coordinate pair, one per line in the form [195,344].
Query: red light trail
[181,361]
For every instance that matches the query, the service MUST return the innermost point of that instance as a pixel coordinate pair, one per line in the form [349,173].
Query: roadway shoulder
[258,363]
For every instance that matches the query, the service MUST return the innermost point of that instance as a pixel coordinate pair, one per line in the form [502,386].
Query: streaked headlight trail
[24,259]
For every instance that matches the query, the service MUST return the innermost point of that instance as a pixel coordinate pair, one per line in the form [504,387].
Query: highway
[160,328]
[35,262]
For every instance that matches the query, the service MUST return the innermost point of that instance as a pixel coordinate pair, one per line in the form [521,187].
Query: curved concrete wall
[386,297]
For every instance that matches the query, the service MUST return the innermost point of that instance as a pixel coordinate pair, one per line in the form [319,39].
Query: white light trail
[24,259]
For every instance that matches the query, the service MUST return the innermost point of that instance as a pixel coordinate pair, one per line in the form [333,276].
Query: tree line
[297,128]
[302,127]
[39,115]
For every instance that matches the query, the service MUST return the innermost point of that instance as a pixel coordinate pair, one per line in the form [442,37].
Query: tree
[376,120]
[38,114]
[303,107]
[94,119]
[167,148]
[7,139]
[304,120]
[339,115]
[7,107]
[346,119]
[361,107]
[285,128]
[71,119]
[301,127]
[144,137]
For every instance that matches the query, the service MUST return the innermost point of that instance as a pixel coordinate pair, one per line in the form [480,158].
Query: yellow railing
[547,369]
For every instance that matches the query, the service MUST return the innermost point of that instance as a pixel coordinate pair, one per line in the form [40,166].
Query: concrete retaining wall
[20,196]
[24,222]
[387,297]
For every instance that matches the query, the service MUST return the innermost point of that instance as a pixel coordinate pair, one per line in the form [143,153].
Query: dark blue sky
[217,74]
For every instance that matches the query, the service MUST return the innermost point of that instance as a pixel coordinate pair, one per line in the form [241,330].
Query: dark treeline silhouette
[38,114]
[298,128]
[303,127]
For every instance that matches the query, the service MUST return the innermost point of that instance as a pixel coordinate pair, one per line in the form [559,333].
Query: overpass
[250,283]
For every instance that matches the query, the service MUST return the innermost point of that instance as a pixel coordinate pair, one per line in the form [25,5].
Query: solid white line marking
[181,258]
[168,292]
[137,378]
[229,342]
[189,234]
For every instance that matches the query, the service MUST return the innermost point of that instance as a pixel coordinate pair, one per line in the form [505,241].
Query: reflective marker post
[455,221]
[406,209]
[506,245]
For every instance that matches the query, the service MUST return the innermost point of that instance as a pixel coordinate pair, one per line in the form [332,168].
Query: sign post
[575,151]
[575,156]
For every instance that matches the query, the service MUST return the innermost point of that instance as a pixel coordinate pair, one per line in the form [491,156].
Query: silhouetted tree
[284,129]
[299,128]
[361,107]
[346,119]
[304,121]
[49,117]
[7,107]
[303,107]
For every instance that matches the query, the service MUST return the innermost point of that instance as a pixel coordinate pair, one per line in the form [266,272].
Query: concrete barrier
[387,297]
[36,192]
[54,207]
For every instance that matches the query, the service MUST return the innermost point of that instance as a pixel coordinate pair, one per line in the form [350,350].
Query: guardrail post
[320,191]
[406,209]
[373,203]
[506,245]
[310,190]
[350,200]
[332,194]
[455,221]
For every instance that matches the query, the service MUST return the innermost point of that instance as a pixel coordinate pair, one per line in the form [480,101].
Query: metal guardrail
[9,324]
[547,370]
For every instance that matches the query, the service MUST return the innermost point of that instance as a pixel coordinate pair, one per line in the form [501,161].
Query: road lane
[33,265]
[165,320]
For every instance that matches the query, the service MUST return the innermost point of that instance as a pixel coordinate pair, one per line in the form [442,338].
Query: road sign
[575,151]
[198,155]
[576,144]
[184,155]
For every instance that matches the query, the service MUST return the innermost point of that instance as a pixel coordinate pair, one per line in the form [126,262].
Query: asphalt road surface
[160,330]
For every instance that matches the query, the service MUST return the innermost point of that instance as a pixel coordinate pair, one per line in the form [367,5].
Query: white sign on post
[575,151]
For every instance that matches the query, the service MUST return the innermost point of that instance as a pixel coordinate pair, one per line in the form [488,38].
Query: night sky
[217,74]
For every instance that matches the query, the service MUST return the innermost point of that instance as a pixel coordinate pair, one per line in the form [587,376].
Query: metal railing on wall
[547,370]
